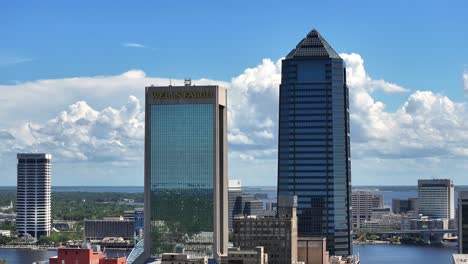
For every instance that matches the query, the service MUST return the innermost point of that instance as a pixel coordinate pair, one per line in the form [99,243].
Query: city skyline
[407,86]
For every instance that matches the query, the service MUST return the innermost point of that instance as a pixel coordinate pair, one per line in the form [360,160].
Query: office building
[463,222]
[139,221]
[137,216]
[186,185]
[238,256]
[314,142]
[84,255]
[242,204]
[278,235]
[234,203]
[363,202]
[33,199]
[312,250]
[401,206]
[436,198]
[97,230]
[377,201]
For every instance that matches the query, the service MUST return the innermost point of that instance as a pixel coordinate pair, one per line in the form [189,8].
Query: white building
[33,215]
[363,202]
[436,198]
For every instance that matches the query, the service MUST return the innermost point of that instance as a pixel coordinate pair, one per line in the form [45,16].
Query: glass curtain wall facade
[314,149]
[185,181]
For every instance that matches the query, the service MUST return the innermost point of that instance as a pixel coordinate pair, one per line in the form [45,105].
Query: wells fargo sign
[181,95]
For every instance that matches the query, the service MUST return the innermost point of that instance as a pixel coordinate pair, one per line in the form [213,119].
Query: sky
[72,78]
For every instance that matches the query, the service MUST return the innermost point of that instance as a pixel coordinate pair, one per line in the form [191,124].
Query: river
[370,254]
[404,254]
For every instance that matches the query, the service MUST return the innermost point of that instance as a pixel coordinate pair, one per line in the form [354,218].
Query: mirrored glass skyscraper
[314,147]
[186,199]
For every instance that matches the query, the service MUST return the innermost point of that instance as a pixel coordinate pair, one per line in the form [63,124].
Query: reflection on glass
[182,171]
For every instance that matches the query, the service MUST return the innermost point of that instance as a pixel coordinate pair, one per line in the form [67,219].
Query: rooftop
[313,45]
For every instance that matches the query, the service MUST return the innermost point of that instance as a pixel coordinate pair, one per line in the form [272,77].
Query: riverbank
[375,242]
[33,247]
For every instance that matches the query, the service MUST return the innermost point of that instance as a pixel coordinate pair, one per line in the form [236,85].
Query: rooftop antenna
[170,81]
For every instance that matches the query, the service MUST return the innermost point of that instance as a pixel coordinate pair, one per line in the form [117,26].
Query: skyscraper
[463,222]
[314,151]
[235,203]
[186,198]
[436,198]
[33,195]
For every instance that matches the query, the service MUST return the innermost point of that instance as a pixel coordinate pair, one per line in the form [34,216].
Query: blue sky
[82,50]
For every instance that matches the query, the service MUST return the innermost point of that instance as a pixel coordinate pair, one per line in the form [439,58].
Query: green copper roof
[313,45]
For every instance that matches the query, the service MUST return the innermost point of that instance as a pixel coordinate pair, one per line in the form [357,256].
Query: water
[370,254]
[28,256]
[24,256]
[404,254]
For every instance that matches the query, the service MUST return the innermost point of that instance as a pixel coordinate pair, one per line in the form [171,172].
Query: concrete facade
[238,256]
[312,250]
[363,202]
[436,198]
[278,235]
[33,201]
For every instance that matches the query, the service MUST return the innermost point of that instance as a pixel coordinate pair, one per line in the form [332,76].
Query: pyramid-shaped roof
[313,45]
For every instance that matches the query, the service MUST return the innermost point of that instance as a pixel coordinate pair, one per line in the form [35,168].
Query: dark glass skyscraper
[314,149]
[186,199]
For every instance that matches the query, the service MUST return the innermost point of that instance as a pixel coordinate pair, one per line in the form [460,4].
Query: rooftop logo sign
[182,95]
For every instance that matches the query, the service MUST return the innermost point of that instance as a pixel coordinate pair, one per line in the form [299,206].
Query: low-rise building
[238,256]
[377,213]
[425,222]
[278,235]
[108,227]
[180,258]
[84,255]
[5,233]
[345,260]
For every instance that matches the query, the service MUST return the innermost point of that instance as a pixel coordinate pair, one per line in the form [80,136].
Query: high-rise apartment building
[463,222]
[33,199]
[314,148]
[186,197]
[363,202]
[436,198]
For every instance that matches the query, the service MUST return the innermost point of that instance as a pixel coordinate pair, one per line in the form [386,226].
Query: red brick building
[83,256]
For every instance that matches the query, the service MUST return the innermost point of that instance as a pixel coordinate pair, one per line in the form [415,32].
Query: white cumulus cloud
[100,118]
